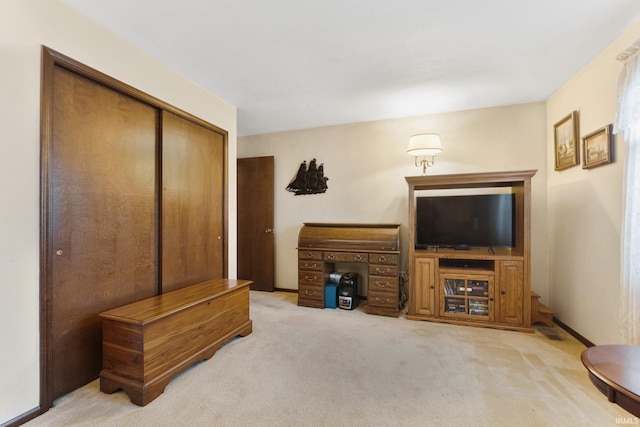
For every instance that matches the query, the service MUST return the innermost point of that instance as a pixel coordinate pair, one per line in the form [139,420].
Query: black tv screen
[482,220]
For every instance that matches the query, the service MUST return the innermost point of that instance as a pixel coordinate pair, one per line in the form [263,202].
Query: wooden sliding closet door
[110,153]
[103,217]
[192,203]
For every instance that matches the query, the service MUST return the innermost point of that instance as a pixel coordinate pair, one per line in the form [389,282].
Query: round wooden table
[615,371]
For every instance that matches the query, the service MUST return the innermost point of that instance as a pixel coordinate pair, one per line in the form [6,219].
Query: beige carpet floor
[310,367]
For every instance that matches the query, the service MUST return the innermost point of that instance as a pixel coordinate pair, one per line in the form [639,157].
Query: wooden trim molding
[70,64]
[293,291]
[46,136]
[23,418]
[573,333]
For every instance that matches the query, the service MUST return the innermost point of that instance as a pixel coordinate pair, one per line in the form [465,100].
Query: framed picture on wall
[565,134]
[596,148]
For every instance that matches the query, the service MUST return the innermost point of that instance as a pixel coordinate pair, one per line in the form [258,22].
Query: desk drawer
[380,283]
[308,255]
[386,298]
[383,270]
[311,291]
[383,259]
[310,278]
[346,257]
[309,265]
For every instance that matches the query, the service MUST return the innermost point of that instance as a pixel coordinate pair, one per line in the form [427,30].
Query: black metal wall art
[309,181]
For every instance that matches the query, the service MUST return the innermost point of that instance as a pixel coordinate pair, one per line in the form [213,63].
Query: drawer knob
[309,255]
[382,284]
[358,257]
[383,300]
[382,258]
[309,293]
[331,256]
[310,278]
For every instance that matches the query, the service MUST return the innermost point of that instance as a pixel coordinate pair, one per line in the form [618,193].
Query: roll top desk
[322,245]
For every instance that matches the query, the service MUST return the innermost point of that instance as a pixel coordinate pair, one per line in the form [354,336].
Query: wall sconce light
[424,147]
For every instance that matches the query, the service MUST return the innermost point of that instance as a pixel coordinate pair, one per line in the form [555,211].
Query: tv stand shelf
[487,287]
[466,264]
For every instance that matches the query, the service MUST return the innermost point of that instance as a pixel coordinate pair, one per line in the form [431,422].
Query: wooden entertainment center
[480,286]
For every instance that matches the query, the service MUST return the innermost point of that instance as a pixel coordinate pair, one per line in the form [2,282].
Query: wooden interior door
[103,217]
[192,203]
[256,251]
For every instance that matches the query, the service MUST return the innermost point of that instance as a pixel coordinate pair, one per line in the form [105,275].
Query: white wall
[25,25]
[366,164]
[585,206]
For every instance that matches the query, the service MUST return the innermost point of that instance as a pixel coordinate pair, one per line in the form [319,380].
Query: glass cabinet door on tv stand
[466,296]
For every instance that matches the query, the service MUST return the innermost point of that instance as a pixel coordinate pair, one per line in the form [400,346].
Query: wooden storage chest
[148,342]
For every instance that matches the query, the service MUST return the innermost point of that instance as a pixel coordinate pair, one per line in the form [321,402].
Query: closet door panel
[192,203]
[103,218]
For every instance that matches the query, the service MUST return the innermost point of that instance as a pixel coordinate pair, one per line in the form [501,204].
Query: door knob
[268,230]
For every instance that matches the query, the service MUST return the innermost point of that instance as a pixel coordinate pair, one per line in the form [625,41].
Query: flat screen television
[462,222]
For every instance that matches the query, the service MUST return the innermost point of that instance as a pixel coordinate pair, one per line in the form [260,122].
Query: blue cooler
[331,295]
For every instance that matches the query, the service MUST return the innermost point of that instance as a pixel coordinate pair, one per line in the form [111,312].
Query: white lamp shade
[425,144]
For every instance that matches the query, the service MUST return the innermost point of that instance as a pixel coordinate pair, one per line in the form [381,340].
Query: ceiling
[294,64]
